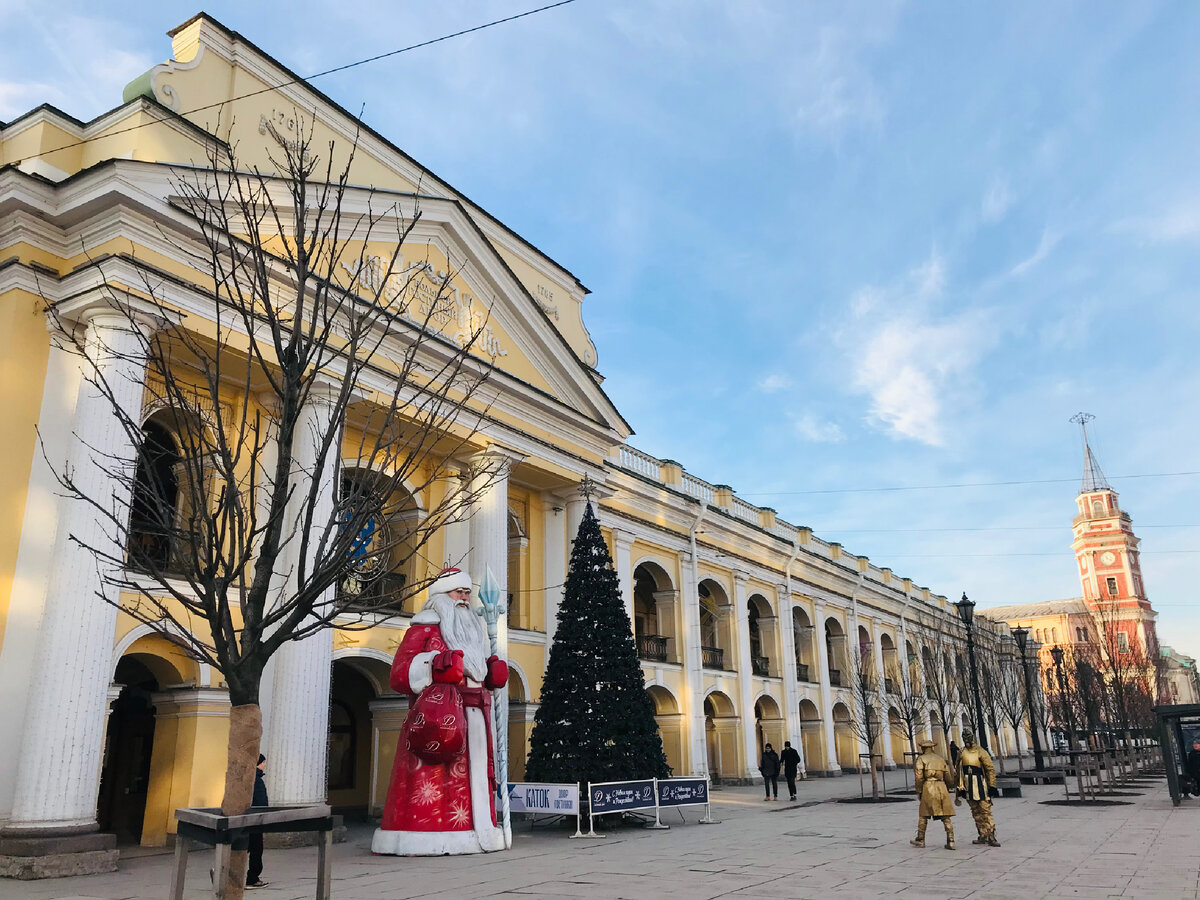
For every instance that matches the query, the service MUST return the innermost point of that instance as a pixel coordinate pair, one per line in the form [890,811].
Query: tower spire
[1093,475]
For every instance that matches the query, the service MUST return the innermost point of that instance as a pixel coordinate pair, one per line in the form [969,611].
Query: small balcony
[802,671]
[889,685]
[761,665]
[712,657]
[652,647]
[835,677]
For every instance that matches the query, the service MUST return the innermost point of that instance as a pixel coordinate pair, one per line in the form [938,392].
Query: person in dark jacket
[768,767]
[955,752]
[1192,766]
[254,872]
[791,765]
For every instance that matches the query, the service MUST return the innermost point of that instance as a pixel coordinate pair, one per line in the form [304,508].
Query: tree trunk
[874,777]
[245,735]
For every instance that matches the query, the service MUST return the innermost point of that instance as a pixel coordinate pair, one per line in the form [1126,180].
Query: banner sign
[618,796]
[682,791]
[549,799]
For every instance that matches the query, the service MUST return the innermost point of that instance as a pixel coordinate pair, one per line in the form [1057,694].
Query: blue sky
[831,245]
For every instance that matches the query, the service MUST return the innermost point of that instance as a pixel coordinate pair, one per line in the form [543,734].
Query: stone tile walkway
[812,849]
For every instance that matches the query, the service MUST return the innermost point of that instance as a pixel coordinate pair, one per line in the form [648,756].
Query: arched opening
[654,614]
[764,661]
[715,639]
[899,741]
[866,651]
[835,647]
[519,615]
[141,761]
[520,724]
[155,499]
[362,710]
[802,639]
[810,736]
[768,724]
[382,562]
[721,733]
[844,739]
[891,667]
[670,725]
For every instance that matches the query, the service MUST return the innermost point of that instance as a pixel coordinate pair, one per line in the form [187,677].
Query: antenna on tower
[1093,475]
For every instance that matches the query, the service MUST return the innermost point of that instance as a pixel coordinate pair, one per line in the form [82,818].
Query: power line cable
[305,79]
[965,484]
[826,530]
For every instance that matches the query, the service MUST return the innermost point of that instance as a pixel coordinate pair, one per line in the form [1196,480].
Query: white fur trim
[427,616]
[420,671]
[451,581]
[424,843]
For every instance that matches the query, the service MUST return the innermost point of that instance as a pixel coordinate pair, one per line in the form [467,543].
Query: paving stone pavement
[815,848]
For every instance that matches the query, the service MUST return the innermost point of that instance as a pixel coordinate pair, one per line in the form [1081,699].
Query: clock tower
[1106,551]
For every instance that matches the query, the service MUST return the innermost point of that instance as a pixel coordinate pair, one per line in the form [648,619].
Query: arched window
[1054,635]
[153,508]
[341,747]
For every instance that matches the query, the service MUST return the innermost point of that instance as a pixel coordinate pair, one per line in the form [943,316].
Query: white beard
[462,630]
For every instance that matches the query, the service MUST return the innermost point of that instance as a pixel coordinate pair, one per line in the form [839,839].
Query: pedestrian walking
[254,872]
[791,766]
[768,767]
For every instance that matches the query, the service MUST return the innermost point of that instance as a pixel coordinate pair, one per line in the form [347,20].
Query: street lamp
[1022,638]
[966,612]
[1057,653]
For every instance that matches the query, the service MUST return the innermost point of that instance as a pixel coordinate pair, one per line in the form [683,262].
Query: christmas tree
[595,721]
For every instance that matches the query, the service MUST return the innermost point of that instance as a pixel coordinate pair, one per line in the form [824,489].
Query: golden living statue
[932,775]
[976,775]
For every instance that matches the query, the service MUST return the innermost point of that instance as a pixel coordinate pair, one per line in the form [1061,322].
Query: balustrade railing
[835,677]
[712,657]
[802,671]
[694,487]
[637,461]
[889,685]
[761,665]
[652,647]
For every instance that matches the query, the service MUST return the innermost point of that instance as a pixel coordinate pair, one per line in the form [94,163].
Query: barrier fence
[607,798]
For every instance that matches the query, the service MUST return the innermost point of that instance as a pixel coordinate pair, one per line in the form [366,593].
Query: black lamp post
[1021,635]
[966,612]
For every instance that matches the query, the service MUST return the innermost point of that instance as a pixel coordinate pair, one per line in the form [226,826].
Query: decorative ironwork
[889,685]
[802,671]
[761,665]
[835,677]
[652,647]
[712,657]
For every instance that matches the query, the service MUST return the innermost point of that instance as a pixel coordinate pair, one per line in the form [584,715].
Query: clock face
[1108,557]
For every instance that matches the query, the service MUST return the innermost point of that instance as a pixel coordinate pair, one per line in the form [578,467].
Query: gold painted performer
[976,775]
[932,774]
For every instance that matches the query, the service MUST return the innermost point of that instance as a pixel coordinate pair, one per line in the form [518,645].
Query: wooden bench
[228,833]
[1008,786]
[1049,776]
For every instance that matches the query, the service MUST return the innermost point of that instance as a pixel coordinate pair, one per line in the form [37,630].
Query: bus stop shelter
[1180,727]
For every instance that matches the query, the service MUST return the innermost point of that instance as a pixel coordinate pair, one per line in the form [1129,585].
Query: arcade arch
[655,613]
[811,738]
[806,656]
[716,638]
[835,647]
[764,658]
[844,739]
[670,725]
[721,728]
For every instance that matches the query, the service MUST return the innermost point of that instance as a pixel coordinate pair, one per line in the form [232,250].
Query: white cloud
[774,383]
[997,200]
[1046,245]
[907,357]
[810,428]
[1179,223]
[18,97]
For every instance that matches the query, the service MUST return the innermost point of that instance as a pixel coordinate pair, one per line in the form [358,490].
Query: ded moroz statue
[441,799]
[932,775]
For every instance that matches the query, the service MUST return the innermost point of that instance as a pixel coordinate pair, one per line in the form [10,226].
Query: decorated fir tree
[595,721]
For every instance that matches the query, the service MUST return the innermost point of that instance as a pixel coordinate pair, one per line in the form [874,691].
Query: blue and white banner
[682,791]
[619,796]
[549,799]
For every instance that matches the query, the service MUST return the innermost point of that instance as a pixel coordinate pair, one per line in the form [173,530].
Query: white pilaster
[297,744]
[885,742]
[456,535]
[791,687]
[489,519]
[826,694]
[690,654]
[554,561]
[58,772]
[745,672]
[623,547]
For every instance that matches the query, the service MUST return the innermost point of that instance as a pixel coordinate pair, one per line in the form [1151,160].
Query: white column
[831,763]
[489,519]
[58,773]
[693,682]
[456,535]
[554,562]
[745,672]
[297,743]
[791,689]
[623,546]
[885,729]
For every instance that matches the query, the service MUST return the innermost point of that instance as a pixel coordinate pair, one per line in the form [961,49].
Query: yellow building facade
[747,626]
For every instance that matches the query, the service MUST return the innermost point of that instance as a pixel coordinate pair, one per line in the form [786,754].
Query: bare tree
[1010,695]
[866,722]
[940,682]
[909,700]
[990,688]
[308,391]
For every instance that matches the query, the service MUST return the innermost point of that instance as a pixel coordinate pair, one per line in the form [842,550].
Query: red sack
[436,727]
